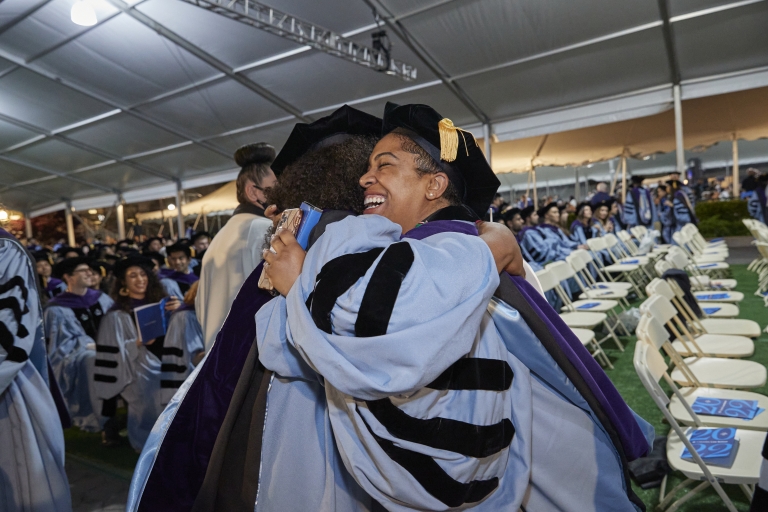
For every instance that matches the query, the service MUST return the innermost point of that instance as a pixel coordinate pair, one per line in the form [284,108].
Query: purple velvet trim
[179,277]
[632,439]
[70,300]
[53,283]
[577,223]
[441,226]
[183,457]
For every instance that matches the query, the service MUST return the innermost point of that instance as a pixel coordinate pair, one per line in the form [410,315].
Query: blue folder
[310,215]
[151,321]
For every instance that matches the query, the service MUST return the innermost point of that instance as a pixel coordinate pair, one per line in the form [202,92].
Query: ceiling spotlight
[101,218]
[82,13]
[171,206]
[15,216]
[93,211]
[3,215]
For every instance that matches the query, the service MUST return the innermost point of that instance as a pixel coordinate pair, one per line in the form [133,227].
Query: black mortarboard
[581,205]
[454,150]
[607,203]
[544,209]
[123,265]
[42,255]
[179,247]
[509,214]
[637,179]
[326,131]
[102,267]
[527,212]
[68,266]
[200,234]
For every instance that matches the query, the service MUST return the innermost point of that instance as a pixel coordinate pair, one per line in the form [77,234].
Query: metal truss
[302,32]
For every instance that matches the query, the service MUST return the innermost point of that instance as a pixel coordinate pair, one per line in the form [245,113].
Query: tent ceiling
[87,113]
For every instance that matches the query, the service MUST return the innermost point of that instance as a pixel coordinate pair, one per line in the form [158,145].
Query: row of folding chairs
[760,264]
[702,365]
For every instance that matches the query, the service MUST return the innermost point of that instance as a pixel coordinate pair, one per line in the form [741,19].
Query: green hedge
[722,218]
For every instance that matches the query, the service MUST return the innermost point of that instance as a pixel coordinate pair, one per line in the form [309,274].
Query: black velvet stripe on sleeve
[475,374]
[335,278]
[443,433]
[105,363]
[382,290]
[173,351]
[104,378]
[172,384]
[107,349]
[433,478]
[175,368]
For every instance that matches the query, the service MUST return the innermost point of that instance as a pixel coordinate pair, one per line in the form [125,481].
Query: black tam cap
[637,179]
[179,247]
[122,266]
[200,234]
[68,266]
[42,255]
[544,209]
[527,212]
[509,214]
[454,150]
[581,207]
[326,131]
[607,203]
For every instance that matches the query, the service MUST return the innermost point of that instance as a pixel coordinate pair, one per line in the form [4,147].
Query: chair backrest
[575,261]
[651,331]
[662,266]
[679,238]
[658,307]
[677,258]
[583,255]
[639,231]
[650,367]
[561,270]
[546,279]
[596,244]
[624,235]
[610,240]
[660,287]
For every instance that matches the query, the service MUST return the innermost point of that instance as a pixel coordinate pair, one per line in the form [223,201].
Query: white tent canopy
[221,201]
[160,93]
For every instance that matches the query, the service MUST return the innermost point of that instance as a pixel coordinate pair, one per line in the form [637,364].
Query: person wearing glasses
[236,250]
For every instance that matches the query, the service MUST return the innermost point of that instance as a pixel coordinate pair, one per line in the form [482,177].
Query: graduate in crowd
[126,366]
[601,221]
[48,285]
[581,228]
[601,194]
[32,454]
[756,198]
[236,249]
[102,276]
[178,277]
[72,321]
[689,193]
[377,387]
[682,207]
[564,216]
[550,228]
[200,242]
[513,220]
[615,216]
[154,244]
[664,213]
[639,207]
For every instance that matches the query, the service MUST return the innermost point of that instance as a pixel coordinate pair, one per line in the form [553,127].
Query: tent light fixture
[93,211]
[171,206]
[15,216]
[3,215]
[82,14]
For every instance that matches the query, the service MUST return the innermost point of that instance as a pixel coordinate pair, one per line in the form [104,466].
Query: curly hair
[327,178]
[425,164]
[155,291]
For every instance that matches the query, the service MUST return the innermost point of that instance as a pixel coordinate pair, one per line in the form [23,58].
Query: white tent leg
[179,215]
[535,190]
[679,149]
[70,225]
[577,188]
[28,226]
[205,222]
[120,220]
[736,184]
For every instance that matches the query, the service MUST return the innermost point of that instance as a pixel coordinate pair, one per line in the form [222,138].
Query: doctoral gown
[639,208]
[176,283]
[185,435]
[32,454]
[71,326]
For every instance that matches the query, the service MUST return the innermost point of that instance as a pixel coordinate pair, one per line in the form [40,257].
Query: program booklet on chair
[715,446]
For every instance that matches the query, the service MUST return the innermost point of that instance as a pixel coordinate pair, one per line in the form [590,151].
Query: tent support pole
[179,215]
[197,221]
[623,179]
[577,188]
[70,225]
[120,219]
[205,222]
[615,177]
[736,184]
[679,149]
[28,226]
[487,141]
[535,190]
[170,227]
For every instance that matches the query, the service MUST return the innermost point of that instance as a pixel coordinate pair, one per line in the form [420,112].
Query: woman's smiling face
[395,190]
[136,281]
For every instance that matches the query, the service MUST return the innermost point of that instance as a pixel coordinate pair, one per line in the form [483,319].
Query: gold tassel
[449,140]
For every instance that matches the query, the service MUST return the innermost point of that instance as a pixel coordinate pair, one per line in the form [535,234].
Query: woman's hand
[503,246]
[284,261]
[272,214]
[172,304]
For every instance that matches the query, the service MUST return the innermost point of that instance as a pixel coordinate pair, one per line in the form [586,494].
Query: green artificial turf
[626,381]
[123,458]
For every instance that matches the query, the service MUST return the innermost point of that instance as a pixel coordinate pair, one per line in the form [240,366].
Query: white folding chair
[745,471]
[626,270]
[709,308]
[599,280]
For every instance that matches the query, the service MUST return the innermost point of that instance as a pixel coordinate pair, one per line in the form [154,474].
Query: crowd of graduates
[89,294]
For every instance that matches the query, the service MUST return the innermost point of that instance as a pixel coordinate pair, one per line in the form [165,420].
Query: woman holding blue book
[126,365]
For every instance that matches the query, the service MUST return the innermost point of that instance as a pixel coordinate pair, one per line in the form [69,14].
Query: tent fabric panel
[632,62]
[220,200]
[722,42]
[242,45]
[23,199]
[111,60]
[56,155]
[187,161]
[123,135]
[214,109]
[13,174]
[44,29]
[11,9]
[338,15]
[467,36]
[274,134]
[44,103]
[120,177]
[57,189]
[10,135]
[679,7]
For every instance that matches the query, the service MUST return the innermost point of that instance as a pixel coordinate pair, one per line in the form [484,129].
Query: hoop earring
[123,291]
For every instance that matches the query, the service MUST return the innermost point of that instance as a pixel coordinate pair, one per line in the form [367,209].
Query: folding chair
[577,319]
[698,257]
[685,344]
[626,270]
[679,260]
[745,471]
[592,274]
[710,308]
[702,371]
[587,338]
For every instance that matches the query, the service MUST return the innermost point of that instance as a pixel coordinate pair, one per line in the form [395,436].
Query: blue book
[713,296]
[726,407]
[151,321]
[630,262]
[310,215]
[708,265]
[588,305]
[711,311]
[716,446]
